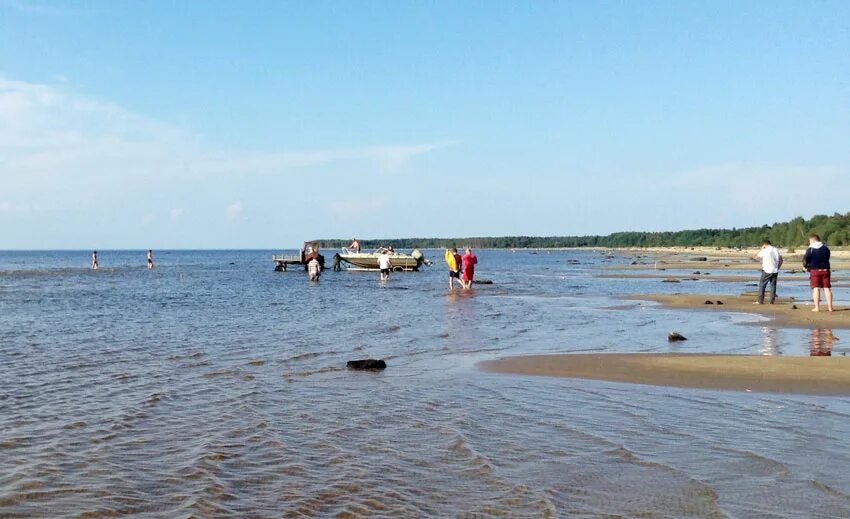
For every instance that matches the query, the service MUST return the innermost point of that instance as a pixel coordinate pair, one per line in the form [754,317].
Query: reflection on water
[821,343]
[769,341]
[224,393]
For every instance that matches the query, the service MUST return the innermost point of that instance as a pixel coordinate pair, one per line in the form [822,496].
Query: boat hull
[370,261]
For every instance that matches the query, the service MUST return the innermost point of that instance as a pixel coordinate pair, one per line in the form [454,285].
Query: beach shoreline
[768,374]
[783,313]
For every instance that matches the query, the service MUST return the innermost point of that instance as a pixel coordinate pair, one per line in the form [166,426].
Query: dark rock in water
[720,302]
[366,364]
[792,271]
[697,273]
[709,302]
[675,337]
[699,258]
[482,281]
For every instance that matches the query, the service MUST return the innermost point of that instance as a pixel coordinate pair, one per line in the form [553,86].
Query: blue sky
[262,124]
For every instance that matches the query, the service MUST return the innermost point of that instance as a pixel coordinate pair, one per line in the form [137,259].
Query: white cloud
[64,150]
[233,211]
[175,214]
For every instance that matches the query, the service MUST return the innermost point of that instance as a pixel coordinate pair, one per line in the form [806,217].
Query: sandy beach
[808,375]
[710,258]
[782,313]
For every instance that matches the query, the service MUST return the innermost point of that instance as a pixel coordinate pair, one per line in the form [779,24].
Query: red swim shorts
[820,278]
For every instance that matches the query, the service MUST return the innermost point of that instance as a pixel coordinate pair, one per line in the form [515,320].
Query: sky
[257,124]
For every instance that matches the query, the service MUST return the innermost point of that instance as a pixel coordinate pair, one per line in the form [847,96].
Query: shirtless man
[94,260]
[150,259]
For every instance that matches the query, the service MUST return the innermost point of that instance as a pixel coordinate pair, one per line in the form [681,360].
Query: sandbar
[772,374]
[782,313]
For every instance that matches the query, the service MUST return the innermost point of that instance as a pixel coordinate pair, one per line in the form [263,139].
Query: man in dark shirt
[816,261]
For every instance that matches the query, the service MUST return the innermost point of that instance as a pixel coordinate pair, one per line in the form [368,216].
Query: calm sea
[213,386]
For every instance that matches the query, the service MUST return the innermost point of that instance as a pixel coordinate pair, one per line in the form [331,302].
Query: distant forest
[835,230]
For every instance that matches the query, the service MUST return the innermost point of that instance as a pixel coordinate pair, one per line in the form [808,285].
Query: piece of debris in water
[366,364]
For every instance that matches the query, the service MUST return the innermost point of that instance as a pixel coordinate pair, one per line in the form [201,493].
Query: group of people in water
[461,268]
[95,265]
[815,261]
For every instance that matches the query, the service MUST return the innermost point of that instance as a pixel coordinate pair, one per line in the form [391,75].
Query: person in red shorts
[816,261]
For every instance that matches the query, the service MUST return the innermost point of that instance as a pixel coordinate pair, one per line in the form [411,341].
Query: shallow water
[215,387]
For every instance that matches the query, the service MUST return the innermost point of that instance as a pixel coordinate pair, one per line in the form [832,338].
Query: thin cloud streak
[68,150]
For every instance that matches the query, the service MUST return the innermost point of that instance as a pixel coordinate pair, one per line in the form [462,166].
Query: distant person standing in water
[150,259]
[468,268]
[816,261]
[355,245]
[94,260]
[385,265]
[771,260]
[314,269]
[453,261]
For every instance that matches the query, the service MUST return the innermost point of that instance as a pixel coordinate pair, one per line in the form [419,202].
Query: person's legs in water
[816,299]
[828,293]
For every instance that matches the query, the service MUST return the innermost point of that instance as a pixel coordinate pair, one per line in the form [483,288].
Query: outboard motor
[420,258]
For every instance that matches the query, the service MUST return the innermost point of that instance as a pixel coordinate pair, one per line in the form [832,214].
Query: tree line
[834,230]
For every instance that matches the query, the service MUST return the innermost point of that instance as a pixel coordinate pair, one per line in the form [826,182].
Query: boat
[369,260]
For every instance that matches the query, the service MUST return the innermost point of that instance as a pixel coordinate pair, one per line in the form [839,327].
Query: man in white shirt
[771,260]
[314,269]
[385,265]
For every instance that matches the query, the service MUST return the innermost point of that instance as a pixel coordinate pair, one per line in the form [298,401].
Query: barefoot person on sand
[816,261]
[469,261]
[771,260]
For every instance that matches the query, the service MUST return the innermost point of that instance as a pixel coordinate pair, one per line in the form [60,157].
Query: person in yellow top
[453,261]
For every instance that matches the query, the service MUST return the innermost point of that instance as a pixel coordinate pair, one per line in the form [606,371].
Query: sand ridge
[774,374]
[782,313]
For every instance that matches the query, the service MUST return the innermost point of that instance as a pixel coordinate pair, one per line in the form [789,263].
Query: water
[215,387]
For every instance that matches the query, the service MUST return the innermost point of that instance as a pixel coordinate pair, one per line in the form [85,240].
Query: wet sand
[807,375]
[782,313]
[691,277]
[683,258]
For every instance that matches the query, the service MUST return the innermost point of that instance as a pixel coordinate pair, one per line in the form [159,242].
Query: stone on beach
[675,337]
